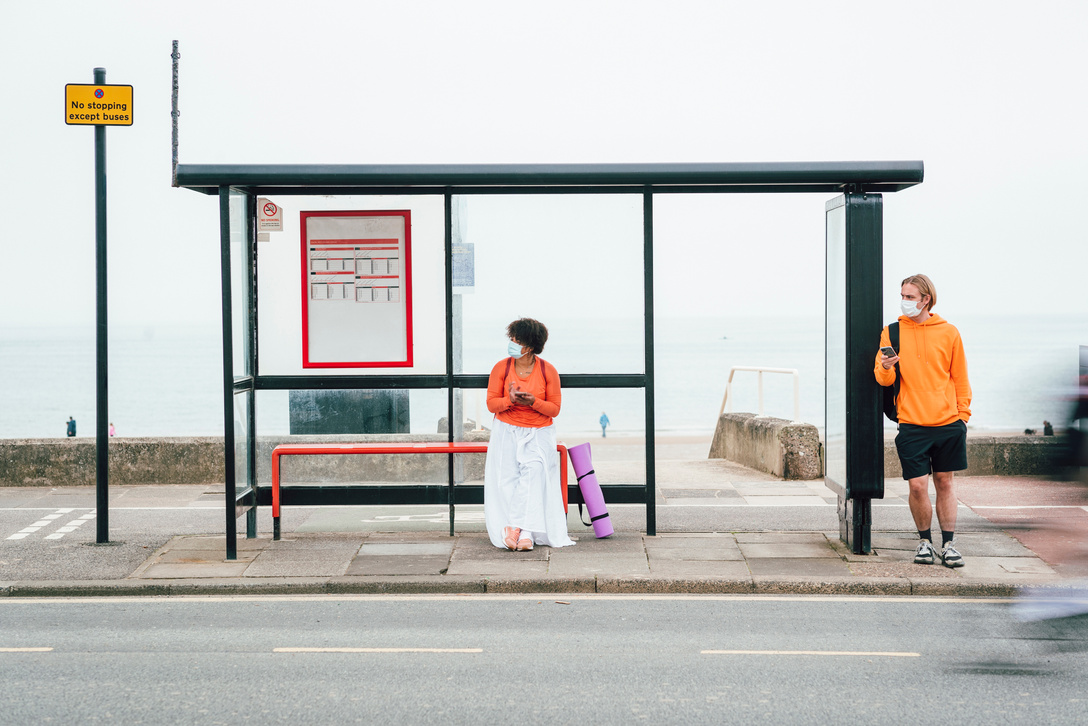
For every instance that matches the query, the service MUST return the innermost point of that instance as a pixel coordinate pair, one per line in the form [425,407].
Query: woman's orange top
[548,395]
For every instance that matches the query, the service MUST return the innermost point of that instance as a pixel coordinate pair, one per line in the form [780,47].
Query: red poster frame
[407,362]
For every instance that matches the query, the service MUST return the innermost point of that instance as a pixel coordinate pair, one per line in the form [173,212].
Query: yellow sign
[104,105]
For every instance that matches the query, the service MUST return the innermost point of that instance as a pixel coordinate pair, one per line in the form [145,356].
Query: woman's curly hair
[528,332]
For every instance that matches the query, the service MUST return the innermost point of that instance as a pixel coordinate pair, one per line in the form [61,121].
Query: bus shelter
[853,222]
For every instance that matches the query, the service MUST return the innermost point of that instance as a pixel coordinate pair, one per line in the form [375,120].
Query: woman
[523,504]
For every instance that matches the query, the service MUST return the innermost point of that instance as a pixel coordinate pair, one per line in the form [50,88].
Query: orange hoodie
[546,389]
[934,390]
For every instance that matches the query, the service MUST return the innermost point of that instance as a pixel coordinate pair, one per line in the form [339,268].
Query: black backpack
[891,393]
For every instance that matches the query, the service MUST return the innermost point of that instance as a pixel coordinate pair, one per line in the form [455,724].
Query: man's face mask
[910,308]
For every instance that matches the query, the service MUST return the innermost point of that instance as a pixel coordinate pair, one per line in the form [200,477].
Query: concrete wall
[199,460]
[783,448]
[793,451]
[1012,455]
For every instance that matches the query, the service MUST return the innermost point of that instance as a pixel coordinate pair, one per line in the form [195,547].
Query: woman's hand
[519,397]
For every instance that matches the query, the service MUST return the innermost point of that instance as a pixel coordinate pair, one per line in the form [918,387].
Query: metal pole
[102,441]
[648,275]
[174,113]
[448,199]
[760,386]
[229,468]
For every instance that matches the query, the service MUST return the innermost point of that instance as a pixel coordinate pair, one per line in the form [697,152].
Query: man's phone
[888,351]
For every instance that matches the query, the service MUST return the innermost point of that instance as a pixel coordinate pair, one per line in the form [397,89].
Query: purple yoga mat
[582,460]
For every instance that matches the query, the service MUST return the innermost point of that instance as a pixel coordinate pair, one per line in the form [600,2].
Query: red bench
[437,447]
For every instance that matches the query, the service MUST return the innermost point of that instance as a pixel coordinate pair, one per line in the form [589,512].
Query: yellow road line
[377,650]
[870,653]
[25,650]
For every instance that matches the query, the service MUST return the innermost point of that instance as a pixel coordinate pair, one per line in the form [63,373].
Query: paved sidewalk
[722,529]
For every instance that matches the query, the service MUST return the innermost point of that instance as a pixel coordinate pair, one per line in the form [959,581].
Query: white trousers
[521,485]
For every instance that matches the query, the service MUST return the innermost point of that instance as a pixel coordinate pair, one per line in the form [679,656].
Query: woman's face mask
[514,350]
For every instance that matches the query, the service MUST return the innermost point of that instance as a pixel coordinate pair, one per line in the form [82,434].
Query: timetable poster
[356,289]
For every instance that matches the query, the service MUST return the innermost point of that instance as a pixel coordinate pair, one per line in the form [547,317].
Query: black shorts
[931,448]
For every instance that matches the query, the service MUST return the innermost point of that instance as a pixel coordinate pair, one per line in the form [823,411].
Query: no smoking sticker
[269,216]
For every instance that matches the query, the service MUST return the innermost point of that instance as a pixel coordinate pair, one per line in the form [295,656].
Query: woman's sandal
[524,545]
[510,537]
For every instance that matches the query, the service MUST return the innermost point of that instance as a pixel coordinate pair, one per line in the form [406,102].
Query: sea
[166,381]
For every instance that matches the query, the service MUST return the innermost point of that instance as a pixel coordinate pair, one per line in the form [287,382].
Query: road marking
[25,650]
[377,650]
[863,653]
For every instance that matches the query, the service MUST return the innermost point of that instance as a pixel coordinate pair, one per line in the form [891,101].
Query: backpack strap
[893,338]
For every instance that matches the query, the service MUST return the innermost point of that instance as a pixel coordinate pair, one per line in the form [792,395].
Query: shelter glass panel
[242,457]
[836,381]
[241,271]
[573,262]
[355,288]
[292,416]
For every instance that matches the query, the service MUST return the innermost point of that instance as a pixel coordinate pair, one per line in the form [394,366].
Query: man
[604,423]
[71,426]
[933,406]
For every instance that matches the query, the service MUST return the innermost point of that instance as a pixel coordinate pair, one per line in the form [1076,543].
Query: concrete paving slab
[397,565]
[173,570]
[403,548]
[215,543]
[196,556]
[317,543]
[802,567]
[685,569]
[782,537]
[695,554]
[611,566]
[495,553]
[620,542]
[790,551]
[1000,567]
[506,567]
[296,567]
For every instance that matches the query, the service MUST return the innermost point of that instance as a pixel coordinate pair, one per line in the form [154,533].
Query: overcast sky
[989,95]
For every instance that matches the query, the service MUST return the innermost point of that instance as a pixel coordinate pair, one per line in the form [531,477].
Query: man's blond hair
[925,287]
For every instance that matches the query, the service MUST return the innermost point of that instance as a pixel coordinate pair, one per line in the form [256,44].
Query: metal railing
[761,371]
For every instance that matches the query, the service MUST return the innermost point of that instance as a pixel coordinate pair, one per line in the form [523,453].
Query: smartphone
[888,351]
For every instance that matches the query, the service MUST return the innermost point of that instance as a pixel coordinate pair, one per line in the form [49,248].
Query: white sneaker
[950,556]
[924,555]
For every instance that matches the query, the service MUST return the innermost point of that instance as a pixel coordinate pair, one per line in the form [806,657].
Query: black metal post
[648,275]
[228,376]
[448,203]
[102,440]
[251,366]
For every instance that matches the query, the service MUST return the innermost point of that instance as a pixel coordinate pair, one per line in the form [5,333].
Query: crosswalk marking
[50,519]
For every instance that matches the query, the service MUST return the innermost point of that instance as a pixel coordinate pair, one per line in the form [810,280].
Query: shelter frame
[247,182]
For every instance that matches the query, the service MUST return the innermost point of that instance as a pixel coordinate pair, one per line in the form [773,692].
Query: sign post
[100,105]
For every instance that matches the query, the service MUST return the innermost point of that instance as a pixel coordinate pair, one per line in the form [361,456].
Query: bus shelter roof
[743,177]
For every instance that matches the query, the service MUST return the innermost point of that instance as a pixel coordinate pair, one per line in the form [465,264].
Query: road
[534,659]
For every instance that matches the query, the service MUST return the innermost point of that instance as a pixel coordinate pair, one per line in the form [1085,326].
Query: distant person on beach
[523,504]
[71,426]
[933,407]
[113,431]
[604,423]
